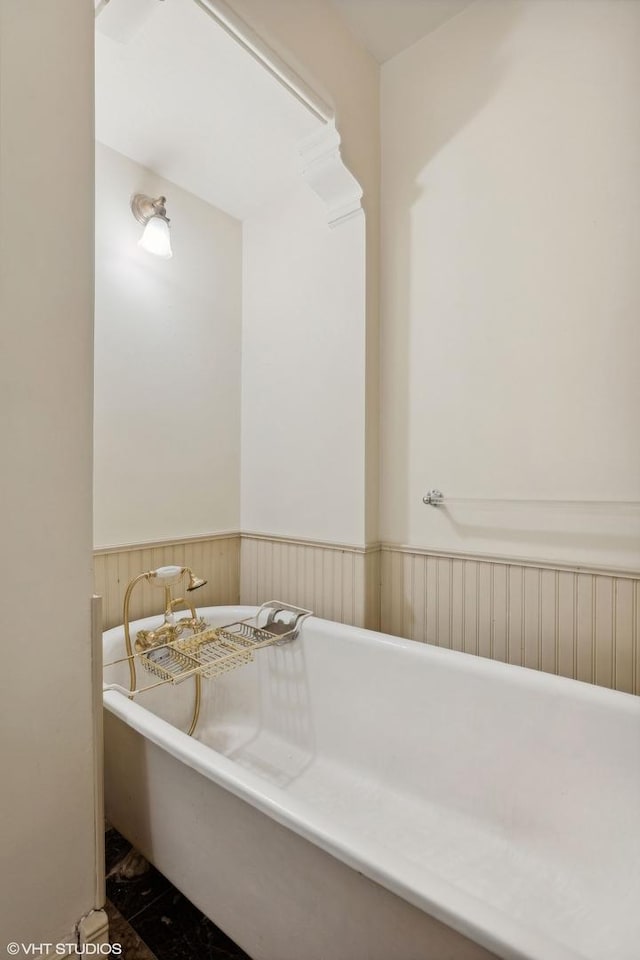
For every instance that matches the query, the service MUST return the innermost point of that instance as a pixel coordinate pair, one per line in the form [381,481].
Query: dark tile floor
[151,919]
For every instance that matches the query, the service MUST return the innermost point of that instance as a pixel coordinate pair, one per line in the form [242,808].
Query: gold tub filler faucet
[167,577]
[189,646]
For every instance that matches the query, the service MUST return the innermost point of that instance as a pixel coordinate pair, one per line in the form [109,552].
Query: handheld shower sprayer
[171,575]
[167,576]
[195,582]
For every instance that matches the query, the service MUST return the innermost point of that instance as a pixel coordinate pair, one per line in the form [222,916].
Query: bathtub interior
[515,788]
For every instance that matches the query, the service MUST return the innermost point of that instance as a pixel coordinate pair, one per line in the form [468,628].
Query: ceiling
[177,94]
[386,27]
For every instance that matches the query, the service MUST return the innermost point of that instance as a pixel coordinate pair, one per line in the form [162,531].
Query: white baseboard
[93,928]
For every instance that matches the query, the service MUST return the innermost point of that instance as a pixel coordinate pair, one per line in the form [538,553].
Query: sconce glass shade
[156,238]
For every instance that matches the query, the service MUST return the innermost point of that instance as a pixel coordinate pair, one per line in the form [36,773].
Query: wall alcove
[231,380]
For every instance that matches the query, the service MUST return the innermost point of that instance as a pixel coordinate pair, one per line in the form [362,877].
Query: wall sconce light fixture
[152,213]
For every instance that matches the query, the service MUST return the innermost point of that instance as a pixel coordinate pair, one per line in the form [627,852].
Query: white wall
[303,373]
[511,343]
[313,37]
[167,391]
[47,847]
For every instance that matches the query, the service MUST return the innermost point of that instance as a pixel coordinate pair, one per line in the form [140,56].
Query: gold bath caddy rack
[216,650]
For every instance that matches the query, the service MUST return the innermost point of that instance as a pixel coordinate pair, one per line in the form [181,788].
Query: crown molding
[325,172]
[253,43]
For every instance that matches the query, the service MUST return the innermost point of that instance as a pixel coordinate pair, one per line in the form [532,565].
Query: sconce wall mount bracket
[144,208]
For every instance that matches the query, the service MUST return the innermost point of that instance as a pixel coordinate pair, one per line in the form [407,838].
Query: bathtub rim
[518,674]
[462,912]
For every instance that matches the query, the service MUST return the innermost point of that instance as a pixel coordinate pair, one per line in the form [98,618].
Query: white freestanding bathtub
[353,796]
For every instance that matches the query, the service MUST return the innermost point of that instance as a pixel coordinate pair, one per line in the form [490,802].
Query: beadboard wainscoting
[574,622]
[215,557]
[337,582]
